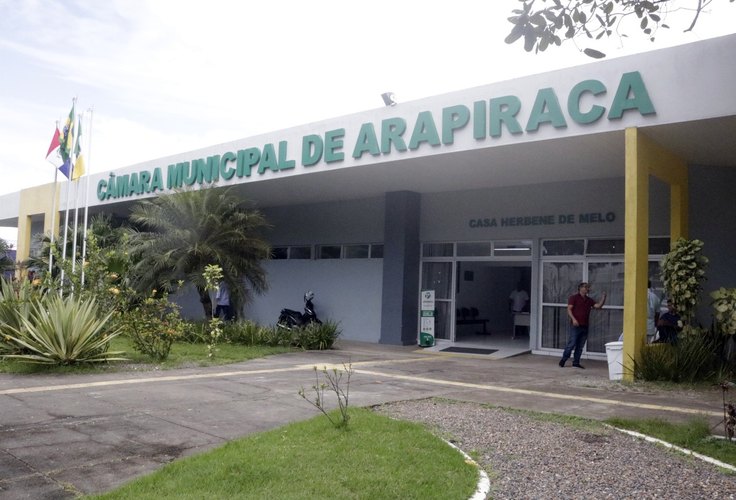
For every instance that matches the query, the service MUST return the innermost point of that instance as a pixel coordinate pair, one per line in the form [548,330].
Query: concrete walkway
[62,435]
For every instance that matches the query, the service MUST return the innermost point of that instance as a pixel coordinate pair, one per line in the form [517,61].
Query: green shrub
[195,332]
[153,325]
[63,331]
[683,272]
[724,304]
[277,336]
[317,336]
[244,332]
[693,358]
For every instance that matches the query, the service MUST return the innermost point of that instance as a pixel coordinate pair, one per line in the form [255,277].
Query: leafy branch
[332,382]
[560,20]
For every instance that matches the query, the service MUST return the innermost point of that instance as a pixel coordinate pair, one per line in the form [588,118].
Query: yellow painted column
[636,251]
[645,157]
[671,169]
[678,210]
[35,203]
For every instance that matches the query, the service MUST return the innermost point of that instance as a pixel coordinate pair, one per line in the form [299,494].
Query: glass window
[607,277]
[554,326]
[606,326]
[437,276]
[478,249]
[605,247]
[659,246]
[356,251]
[563,247]
[655,276]
[329,251]
[442,323]
[300,252]
[377,251]
[512,248]
[560,280]
[279,253]
[437,250]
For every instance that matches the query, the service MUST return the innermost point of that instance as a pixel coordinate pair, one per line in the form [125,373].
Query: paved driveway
[71,434]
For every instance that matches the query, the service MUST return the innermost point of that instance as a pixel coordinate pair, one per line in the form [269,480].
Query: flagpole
[68,188]
[76,223]
[77,130]
[53,214]
[66,229]
[86,199]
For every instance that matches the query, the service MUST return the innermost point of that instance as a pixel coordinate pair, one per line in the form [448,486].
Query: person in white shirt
[223,309]
[518,301]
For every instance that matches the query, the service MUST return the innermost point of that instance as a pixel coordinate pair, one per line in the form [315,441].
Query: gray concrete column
[401,260]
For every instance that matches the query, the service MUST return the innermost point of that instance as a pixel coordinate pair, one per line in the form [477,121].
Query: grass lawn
[375,457]
[694,435]
[182,354]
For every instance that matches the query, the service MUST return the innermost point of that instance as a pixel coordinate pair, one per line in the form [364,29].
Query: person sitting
[669,324]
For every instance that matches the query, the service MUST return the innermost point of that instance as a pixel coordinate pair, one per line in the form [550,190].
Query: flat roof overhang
[695,119]
[596,156]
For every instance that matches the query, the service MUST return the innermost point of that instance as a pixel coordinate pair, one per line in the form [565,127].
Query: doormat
[469,350]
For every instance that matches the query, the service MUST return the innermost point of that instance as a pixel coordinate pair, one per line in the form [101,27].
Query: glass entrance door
[438,276]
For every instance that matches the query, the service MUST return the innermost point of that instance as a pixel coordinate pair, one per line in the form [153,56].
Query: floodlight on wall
[389,99]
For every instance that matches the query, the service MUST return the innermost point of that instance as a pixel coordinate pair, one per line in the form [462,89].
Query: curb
[484,483]
[684,451]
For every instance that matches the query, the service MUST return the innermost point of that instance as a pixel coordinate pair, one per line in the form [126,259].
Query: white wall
[446,216]
[347,291]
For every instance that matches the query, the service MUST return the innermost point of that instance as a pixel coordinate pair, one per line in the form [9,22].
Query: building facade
[539,183]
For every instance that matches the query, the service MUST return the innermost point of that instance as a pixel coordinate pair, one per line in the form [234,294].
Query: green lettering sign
[631,94]
[312,147]
[573,102]
[367,142]
[479,120]
[546,109]
[247,159]
[453,118]
[424,131]
[333,145]
[503,110]
[227,172]
[392,131]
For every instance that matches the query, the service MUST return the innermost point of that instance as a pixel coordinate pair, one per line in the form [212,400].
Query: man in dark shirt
[578,310]
[669,324]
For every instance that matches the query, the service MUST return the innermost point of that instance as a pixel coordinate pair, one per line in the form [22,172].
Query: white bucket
[615,355]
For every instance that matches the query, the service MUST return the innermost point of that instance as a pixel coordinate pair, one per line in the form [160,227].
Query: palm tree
[183,232]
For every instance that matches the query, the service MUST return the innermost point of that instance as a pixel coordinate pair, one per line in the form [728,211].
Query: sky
[160,77]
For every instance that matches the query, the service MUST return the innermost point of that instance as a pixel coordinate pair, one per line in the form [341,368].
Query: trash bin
[426,339]
[615,354]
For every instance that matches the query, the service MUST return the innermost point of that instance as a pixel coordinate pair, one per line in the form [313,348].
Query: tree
[6,262]
[182,233]
[558,20]
[109,233]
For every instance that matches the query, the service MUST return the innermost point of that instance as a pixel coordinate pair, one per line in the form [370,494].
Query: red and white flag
[54,153]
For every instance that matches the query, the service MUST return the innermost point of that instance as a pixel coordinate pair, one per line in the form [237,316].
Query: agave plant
[63,331]
[15,303]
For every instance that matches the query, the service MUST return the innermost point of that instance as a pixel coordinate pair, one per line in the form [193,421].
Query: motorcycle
[290,318]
